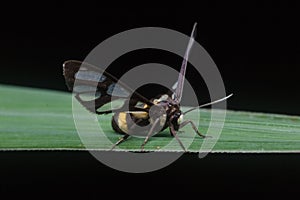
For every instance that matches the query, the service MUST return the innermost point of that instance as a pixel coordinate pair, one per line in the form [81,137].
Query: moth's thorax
[167,110]
[164,108]
[159,110]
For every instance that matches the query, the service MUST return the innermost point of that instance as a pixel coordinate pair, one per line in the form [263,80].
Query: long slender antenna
[180,82]
[207,104]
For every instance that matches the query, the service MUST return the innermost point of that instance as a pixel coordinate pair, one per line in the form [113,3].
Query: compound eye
[180,119]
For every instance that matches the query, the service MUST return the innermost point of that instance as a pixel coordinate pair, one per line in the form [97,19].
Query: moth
[158,113]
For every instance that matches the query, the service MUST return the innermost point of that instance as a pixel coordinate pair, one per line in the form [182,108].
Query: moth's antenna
[207,104]
[179,89]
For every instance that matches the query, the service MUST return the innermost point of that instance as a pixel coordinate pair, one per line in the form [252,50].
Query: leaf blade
[34,119]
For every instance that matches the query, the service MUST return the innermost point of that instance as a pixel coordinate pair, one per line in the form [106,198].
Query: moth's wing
[94,88]
[179,86]
[173,90]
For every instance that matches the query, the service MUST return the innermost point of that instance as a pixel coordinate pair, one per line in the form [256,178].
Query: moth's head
[180,119]
[177,119]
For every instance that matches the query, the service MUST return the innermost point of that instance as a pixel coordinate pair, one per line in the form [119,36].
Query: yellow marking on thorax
[140,115]
[122,123]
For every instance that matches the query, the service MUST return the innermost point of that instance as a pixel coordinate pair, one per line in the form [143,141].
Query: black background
[255,46]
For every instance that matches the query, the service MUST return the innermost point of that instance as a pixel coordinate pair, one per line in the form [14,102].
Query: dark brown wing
[94,88]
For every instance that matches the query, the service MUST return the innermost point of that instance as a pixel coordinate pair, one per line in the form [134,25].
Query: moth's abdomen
[119,123]
[123,121]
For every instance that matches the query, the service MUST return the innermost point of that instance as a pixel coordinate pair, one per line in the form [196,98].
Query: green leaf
[35,119]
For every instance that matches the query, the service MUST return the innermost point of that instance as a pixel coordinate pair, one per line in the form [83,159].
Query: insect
[95,88]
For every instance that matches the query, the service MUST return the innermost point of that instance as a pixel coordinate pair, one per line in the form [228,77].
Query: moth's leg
[122,139]
[173,131]
[193,125]
[149,134]
[126,135]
